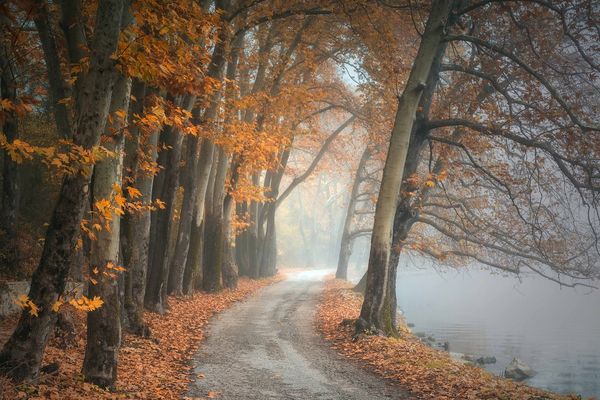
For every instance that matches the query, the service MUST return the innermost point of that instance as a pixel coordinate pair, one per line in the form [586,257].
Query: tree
[21,355]
[525,115]
[104,324]
[10,121]
[348,235]
[377,311]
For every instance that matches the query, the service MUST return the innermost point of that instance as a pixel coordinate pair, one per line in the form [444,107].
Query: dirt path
[267,348]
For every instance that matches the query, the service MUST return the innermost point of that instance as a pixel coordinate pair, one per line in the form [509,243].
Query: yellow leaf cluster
[85,304]
[25,303]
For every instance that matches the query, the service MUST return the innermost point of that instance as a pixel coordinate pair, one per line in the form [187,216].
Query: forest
[157,152]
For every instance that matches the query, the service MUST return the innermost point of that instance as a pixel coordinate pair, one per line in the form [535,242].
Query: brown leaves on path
[149,368]
[426,372]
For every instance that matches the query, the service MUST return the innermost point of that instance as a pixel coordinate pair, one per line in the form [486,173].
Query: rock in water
[518,370]
[486,360]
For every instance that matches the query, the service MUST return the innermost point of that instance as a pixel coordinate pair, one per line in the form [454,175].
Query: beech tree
[376,311]
[21,355]
[507,106]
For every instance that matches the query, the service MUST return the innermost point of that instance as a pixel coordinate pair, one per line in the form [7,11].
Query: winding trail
[267,348]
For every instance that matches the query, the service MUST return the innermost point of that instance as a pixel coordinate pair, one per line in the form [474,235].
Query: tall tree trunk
[56,82]
[253,243]
[214,253]
[177,268]
[193,263]
[21,355]
[158,268]
[347,239]
[191,192]
[193,271]
[268,247]
[104,324]
[207,236]
[72,25]
[9,203]
[251,235]
[241,252]
[229,271]
[377,313]
[135,228]
[407,211]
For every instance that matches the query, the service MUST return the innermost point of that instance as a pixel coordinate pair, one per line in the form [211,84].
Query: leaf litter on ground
[158,367]
[426,372]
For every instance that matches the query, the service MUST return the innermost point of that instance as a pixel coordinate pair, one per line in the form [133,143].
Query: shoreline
[409,363]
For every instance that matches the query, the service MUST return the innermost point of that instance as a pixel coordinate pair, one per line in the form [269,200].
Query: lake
[556,331]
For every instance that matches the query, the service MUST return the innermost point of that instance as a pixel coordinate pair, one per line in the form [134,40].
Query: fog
[553,329]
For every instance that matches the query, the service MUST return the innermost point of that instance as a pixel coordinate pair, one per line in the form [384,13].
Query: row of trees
[174,123]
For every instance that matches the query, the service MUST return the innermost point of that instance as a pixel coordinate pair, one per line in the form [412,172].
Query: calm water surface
[554,330]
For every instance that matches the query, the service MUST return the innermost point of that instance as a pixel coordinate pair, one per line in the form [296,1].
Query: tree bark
[177,268]
[56,82]
[104,324]
[158,269]
[377,313]
[136,225]
[241,242]
[208,235]
[192,276]
[193,264]
[21,355]
[229,268]
[9,203]
[407,212]
[72,26]
[361,285]
[252,241]
[214,243]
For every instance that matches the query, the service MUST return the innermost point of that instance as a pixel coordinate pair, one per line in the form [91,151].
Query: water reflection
[554,330]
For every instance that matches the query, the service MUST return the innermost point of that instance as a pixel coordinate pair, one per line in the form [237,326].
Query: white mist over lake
[554,330]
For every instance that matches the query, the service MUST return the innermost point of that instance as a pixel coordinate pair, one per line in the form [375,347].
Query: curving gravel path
[267,348]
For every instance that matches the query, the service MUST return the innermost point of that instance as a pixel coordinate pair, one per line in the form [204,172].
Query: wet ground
[267,348]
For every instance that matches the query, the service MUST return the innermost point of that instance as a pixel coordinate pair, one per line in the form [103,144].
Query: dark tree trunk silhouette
[9,203]
[164,190]
[177,268]
[21,355]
